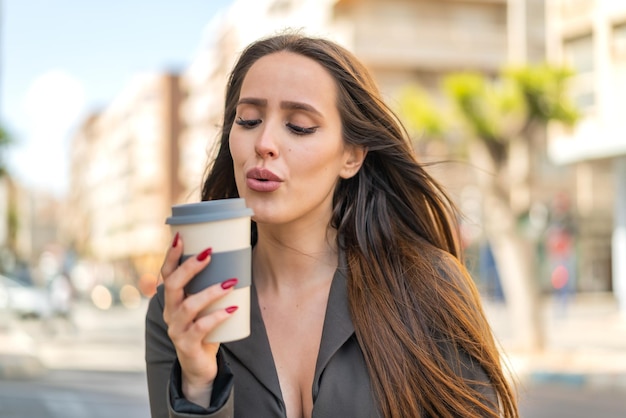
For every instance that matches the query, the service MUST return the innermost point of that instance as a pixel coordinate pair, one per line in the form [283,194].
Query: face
[286,142]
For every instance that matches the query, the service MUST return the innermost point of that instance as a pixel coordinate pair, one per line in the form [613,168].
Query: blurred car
[23,299]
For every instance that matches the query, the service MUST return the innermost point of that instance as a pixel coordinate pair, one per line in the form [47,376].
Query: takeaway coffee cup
[223,225]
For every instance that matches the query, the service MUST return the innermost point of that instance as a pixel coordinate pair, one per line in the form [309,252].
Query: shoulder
[159,347]
[155,324]
[155,306]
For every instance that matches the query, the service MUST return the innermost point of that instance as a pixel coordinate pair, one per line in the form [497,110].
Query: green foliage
[495,110]
[490,109]
[4,137]
[13,224]
[544,88]
[5,142]
[421,116]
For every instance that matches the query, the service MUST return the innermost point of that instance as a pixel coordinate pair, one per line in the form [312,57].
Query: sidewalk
[18,355]
[585,343]
[111,340]
[585,346]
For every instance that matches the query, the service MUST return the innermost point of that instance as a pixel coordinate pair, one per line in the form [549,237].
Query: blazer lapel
[254,351]
[338,326]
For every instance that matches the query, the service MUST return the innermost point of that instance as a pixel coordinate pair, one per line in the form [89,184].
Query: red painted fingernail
[227,284]
[231,309]
[175,242]
[204,254]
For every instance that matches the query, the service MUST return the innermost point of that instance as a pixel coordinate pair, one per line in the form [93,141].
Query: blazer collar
[255,353]
[338,326]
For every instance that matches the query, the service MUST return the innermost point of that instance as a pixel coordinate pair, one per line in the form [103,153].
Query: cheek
[318,163]
[238,162]
[236,150]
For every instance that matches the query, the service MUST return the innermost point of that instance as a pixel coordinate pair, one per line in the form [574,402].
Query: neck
[288,259]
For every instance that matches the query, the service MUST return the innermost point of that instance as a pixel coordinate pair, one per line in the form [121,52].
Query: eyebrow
[287,104]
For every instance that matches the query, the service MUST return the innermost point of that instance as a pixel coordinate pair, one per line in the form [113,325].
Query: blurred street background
[515,105]
[92,364]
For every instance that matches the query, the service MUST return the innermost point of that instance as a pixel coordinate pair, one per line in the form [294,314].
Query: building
[31,251]
[590,36]
[77,227]
[402,42]
[123,178]
[149,148]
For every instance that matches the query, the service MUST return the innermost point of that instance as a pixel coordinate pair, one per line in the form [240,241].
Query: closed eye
[247,123]
[299,130]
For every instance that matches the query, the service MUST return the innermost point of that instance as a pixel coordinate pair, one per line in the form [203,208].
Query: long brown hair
[416,312]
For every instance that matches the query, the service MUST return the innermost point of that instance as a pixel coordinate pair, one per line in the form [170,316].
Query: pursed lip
[262,180]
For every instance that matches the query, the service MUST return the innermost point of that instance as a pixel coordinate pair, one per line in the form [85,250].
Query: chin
[262,210]
[263,218]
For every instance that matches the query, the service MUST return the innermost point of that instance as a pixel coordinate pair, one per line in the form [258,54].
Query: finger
[191,338]
[184,272]
[203,325]
[182,318]
[174,284]
[172,257]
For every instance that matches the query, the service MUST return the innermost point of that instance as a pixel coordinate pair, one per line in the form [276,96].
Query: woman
[361,306]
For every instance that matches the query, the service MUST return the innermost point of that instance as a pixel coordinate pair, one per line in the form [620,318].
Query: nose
[266,145]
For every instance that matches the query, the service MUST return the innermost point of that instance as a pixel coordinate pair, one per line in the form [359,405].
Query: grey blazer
[247,384]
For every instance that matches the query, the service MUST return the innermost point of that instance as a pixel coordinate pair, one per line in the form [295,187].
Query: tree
[5,142]
[10,223]
[503,114]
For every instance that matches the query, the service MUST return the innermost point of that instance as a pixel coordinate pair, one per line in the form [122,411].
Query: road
[559,401]
[76,394]
[97,394]
[95,369]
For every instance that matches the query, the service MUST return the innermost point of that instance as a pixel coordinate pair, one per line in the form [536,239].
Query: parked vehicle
[23,299]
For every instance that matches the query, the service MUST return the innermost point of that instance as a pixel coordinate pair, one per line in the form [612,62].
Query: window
[618,44]
[579,56]
[579,53]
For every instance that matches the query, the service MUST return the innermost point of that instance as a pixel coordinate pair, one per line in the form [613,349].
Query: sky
[61,59]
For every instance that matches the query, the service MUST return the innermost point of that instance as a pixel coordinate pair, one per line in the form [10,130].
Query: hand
[185,328]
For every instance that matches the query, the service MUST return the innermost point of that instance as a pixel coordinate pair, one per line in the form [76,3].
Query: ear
[355,155]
